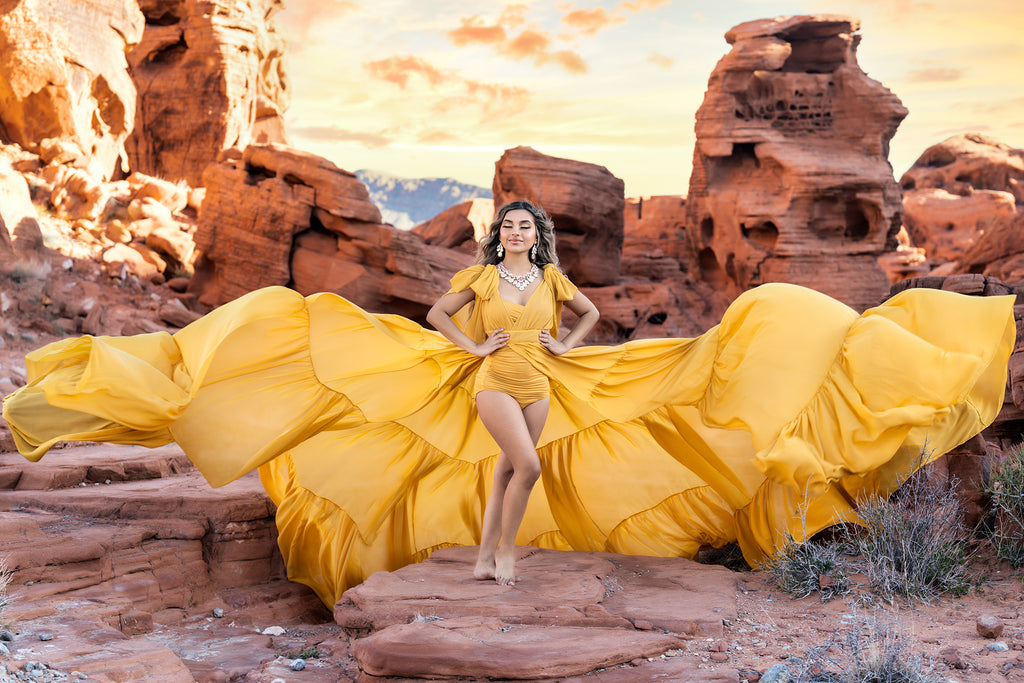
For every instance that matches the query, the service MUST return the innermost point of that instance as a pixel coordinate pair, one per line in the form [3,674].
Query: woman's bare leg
[516,431]
[490,532]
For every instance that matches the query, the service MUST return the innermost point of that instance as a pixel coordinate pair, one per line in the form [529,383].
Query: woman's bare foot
[505,566]
[484,568]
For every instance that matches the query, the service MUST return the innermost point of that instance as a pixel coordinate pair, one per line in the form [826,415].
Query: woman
[511,395]
[376,438]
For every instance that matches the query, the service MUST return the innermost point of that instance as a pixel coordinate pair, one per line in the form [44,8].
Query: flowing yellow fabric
[364,429]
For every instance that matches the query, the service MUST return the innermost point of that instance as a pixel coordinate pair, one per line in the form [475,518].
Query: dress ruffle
[365,434]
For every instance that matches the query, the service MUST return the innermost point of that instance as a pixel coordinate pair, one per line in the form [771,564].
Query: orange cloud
[589,21]
[398,70]
[530,44]
[638,5]
[661,60]
[434,137]
[298,18]
[935,75]
[513,16]
[568,60]
[335,134]
[473,30]
[495,101]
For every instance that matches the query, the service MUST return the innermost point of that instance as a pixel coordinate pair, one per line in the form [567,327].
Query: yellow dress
[364,430]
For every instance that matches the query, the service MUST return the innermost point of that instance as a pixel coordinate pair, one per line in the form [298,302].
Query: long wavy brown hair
[487,252]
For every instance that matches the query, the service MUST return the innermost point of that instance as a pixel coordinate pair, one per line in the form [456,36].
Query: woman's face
[518,232]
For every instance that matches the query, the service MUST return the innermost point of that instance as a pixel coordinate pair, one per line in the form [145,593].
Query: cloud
[661,60]
[638,5]
[494,100]
[588,22]
[434,137]
[398,70]
[473,30]
[299,18]
[568,60]
[934,75]
[531,44]
[336,134]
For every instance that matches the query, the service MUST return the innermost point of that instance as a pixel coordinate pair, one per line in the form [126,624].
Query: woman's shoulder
[563,287]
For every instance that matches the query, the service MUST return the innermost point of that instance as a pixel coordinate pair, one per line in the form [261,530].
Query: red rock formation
[210,76]
[579,611]
[458,227]
[968,162]
[653,245]
[65,92]
[279,216]
[963,200]
[19,228]
[790,178]
[584,200]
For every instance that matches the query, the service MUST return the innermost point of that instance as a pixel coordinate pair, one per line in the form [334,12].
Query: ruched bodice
[366,436]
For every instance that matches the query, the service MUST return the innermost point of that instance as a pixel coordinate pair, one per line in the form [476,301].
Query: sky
[440,88]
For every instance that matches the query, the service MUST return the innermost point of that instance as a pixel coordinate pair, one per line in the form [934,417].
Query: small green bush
[5,580]
[914,544]
[1005,488]
[24,270]
[911,545]
[869,650]
[798,568]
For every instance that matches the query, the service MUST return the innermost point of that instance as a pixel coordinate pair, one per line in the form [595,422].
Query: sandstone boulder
[459,227]
[968,162]
[585,201]
[947,225]
[210,76]
[19,228]
[791,180]
[570,614]
[64,79]
[279,216]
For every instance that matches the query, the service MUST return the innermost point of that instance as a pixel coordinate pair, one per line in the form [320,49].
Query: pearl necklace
[521,282]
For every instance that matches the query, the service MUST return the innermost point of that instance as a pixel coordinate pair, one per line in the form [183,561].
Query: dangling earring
[501,251]
[533,252]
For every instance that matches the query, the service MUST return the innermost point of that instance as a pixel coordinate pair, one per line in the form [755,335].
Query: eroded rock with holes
[210,76]
[66,93]
[584,200]
[791,180]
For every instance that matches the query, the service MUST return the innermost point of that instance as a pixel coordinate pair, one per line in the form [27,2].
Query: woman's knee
[528,470]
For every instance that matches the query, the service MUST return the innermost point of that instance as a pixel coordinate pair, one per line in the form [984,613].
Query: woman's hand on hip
[495,340]
[552,344]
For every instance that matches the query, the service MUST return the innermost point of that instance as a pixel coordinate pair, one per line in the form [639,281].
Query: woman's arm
[440,316]
[588,315]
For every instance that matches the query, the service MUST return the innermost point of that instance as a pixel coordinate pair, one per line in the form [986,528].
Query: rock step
[570,614]
[126,575]
[91,464]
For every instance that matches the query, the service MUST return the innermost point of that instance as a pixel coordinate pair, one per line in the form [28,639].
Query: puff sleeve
[483,280]
[564,289]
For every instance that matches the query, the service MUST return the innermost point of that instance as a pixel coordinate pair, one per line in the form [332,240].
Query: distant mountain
[405,202]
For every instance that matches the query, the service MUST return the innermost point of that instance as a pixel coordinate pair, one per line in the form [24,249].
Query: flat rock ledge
[604,616]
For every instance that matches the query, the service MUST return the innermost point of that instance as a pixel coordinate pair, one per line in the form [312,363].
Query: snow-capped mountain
[405,202]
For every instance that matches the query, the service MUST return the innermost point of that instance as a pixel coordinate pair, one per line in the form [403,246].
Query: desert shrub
[5,580]
[1005,488]
[23,270]
[868,650]
[913,544]
[803,568]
